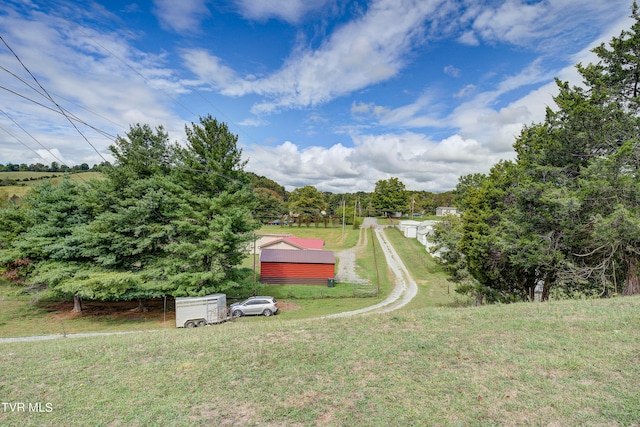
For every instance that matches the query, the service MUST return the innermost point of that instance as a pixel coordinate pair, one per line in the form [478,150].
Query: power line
[100,131]
[32,137]
[62,162]
[51,99]
[59,96]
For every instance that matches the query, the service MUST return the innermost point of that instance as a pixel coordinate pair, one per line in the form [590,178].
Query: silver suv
[254,305]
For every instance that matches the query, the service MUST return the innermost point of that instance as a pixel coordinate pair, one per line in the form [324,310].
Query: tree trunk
[632,284]
[479,298]
[77,304]
[142,306]
[546,288]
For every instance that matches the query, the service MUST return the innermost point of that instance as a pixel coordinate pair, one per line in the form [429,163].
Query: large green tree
[307,201]
[166,220]
[216,224]
[390,195]
[565,215]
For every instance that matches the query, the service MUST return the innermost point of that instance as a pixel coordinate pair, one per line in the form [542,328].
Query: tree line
[564,216]
[53,167]
[309,204]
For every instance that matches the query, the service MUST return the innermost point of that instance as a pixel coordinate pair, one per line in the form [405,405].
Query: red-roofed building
[293,243]
[309,267]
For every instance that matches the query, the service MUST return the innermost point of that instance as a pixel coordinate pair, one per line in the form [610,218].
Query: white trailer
[200,311]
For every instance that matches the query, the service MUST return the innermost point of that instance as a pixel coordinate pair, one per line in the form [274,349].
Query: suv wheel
[267,312]
[236,313]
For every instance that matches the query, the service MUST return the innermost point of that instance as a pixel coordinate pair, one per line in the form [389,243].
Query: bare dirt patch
[288,306]
[116,310]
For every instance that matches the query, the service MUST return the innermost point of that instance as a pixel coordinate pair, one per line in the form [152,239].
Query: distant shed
[310,267]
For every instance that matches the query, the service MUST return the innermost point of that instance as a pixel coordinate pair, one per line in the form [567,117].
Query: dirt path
[347,265]
[79,335]
[405,287]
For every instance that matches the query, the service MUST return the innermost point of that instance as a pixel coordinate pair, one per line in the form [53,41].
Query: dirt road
[405,287]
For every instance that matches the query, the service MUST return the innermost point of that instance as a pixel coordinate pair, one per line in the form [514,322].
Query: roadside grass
[559,363]
[434,289]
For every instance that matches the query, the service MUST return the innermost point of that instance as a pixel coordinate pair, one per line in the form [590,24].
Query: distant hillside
[18,183]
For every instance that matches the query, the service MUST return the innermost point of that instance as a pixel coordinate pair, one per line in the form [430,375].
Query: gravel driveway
[405,287]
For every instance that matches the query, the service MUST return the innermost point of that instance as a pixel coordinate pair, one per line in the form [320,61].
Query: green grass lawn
[562,363]
[335,239]
[22,315]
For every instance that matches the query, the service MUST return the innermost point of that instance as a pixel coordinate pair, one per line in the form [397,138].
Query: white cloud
[373,48]
[286,10]
[419,162]
[465,91]
[469,38]
[51,155]
[358,54]
[452,71]
[182,16]
[252,121]
[521,22]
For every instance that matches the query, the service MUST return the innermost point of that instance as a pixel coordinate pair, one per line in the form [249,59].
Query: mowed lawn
[563,363]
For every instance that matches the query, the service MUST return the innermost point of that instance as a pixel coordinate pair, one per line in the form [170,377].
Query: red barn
[309,267]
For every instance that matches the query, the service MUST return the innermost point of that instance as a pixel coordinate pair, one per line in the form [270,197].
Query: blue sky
[328,93]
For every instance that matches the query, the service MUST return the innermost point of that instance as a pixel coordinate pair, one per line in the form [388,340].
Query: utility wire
[62,162]
[68,115]
[31,136]
[20,141]
[62,97]
[100,131]
[51,99]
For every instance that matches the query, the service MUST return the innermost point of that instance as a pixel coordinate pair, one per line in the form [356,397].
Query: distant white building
[446,210]
[425,233]
[409,228]
[420,230]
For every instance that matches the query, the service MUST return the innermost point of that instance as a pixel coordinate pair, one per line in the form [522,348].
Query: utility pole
[344,209]
[355,204]
[255,277]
